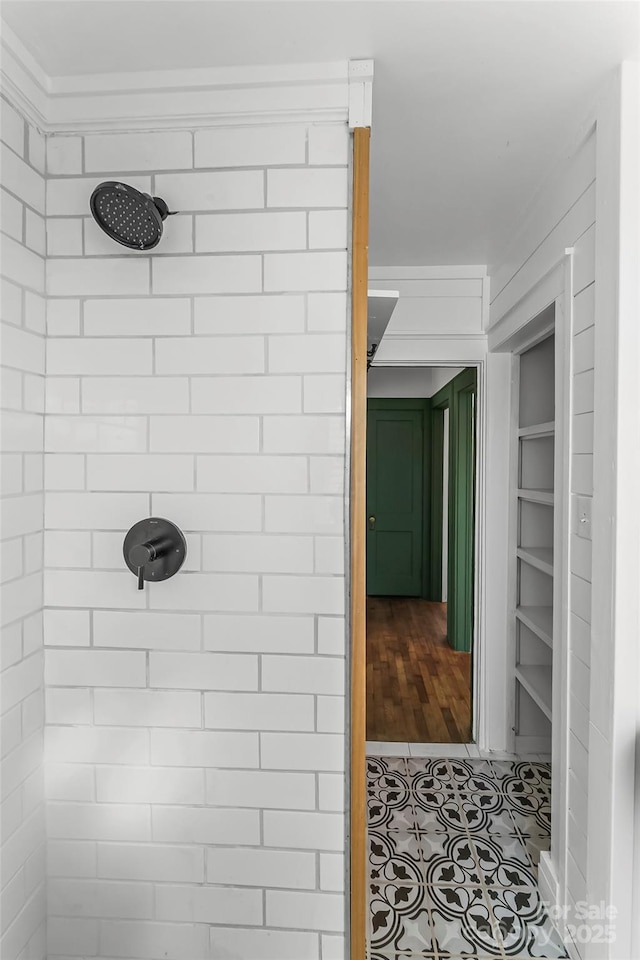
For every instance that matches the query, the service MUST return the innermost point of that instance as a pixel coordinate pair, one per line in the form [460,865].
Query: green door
[395,485]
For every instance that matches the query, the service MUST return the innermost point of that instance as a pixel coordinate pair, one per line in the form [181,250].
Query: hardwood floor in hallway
[418,688]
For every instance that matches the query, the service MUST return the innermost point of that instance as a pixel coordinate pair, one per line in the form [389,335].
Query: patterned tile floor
[453,851]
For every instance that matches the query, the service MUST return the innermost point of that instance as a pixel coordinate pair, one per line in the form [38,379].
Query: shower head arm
[162,208]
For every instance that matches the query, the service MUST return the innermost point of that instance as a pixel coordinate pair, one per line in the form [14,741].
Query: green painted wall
[458,397]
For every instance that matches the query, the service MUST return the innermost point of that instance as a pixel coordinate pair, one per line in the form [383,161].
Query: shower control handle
[143,553]
[154,549]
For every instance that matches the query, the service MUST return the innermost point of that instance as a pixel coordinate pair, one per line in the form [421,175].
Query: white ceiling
[474,101]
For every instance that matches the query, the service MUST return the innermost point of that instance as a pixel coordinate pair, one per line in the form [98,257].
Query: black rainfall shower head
[128,216]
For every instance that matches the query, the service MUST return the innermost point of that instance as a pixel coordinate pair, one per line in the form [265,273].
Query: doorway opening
[420,546]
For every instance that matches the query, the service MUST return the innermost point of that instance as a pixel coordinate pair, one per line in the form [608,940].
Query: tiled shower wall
[195,740]
[22,342]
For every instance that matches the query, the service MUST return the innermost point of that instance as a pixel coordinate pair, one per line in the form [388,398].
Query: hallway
[418,688]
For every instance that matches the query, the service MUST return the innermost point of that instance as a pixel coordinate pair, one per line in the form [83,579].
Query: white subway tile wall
[22,348]
[195,748]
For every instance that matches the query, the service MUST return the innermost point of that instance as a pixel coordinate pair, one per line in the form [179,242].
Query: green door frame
[423,404]
[456,396]
[440,402]
[462,559]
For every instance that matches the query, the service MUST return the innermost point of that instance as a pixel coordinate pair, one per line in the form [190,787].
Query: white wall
[613,720]
[447,304]
[442,376]
[23,363]
[195,732]
[575,227]
[583,208]
[447,301]
[393,382]
[408,382]
[570,206]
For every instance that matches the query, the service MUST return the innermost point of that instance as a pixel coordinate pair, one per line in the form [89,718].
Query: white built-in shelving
[539,620]
[534,496]
[539,557]
[536,680]
[537,430]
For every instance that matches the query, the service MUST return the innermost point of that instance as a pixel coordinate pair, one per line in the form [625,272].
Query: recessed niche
[536,463]
[535,587]
[532,721]
[531,650]
[537,384]
[536,525]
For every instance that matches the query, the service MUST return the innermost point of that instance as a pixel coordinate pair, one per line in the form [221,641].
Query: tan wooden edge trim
[360,264]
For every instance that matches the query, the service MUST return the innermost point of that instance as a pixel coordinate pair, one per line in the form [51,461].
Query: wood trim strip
[360,265]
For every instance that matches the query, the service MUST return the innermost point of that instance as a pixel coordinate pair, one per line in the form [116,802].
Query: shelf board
[536,681]
[539,620]
[537,496]
[538,430]
[539,557]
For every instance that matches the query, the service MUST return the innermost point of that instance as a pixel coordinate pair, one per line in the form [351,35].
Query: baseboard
[549,889]
[548,881]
